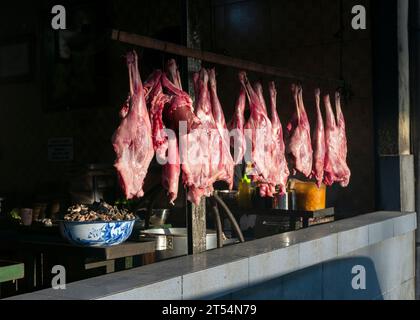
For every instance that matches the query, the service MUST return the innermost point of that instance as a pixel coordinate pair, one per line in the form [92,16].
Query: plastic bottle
[245,192]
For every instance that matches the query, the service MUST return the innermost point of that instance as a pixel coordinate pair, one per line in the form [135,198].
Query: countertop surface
[225,270]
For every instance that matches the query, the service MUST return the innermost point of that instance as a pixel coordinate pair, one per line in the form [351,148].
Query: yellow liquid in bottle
[244,194]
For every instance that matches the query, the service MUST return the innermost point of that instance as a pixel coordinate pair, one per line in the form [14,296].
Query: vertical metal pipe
[231,218]
[218,222]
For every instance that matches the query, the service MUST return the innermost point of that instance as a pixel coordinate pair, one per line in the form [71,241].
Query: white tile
[316,251]
[404,292]
[393,261]
[339,274]
[408,290]
[164,290]
[405,224]
[387,263]
[304,284]
[408,183]
[75,290]
[273,264]
[37,297]
[385,297]
[381,231]
[215,282]
[271,290]
[407,249]
[353,240]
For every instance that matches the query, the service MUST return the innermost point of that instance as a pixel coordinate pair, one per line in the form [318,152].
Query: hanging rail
[179,50]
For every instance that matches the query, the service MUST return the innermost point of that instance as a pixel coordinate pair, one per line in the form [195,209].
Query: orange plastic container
[308,196]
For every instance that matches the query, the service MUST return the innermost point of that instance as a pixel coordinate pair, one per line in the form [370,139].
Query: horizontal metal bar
[215,58]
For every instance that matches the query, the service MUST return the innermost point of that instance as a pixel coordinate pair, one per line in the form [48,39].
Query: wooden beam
[219,59]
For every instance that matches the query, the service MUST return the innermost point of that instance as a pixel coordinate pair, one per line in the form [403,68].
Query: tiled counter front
[375,251]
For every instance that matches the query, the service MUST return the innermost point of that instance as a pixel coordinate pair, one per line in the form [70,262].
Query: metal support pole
[195,215]
[196,226]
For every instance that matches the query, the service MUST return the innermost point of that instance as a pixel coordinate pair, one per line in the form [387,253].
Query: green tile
[10,271]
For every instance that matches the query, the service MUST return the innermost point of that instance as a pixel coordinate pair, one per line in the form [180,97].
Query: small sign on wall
[16,59]
[60,149]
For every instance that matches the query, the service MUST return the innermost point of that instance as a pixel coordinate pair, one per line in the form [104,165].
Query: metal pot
[227,194]
[173,242]
[286,201]
[159,217]
[92,183]
[229,197]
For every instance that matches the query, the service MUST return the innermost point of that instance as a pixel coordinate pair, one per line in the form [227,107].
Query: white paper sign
[60,149]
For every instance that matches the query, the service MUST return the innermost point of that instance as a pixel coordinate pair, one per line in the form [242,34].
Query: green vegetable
[14,214]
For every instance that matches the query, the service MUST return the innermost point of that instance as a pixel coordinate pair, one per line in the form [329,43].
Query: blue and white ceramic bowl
[96,234]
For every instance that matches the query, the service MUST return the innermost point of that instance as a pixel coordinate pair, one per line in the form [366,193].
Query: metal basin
[173,242]
[229,197]
[159,217]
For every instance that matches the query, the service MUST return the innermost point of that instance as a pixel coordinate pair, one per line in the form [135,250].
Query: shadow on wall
[344,279]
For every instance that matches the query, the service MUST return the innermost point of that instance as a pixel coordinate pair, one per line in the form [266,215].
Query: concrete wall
[313,263]
[306,36]
[298,35]
[26,123]
[396,183]
[389,269]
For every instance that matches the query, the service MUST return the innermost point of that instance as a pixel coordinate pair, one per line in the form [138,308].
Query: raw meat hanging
[173,73]
[205,149]
[165,142]
[181,110]
[259,130]
[279,173]
[223,167]
[299,146]
[195,151]
[132,141]
[236,126]
[336,168]
[156,100]
[343,135]
[259,91]
[150,84]
[172,170]
[205,140]
[318,143]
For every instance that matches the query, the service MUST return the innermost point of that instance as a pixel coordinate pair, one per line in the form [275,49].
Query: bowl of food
[97,225]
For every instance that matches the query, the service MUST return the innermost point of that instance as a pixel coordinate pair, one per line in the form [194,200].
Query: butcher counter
[356,258]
